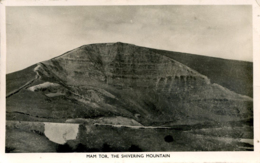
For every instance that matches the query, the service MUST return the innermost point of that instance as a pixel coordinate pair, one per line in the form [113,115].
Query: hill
[150,86]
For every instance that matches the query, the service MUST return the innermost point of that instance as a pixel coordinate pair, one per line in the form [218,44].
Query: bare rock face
[120,65]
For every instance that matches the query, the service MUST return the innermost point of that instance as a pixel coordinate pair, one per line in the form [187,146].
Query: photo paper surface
[130,81]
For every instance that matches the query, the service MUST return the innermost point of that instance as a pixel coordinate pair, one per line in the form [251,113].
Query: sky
[35,34]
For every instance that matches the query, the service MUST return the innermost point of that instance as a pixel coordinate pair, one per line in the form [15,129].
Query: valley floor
[27,137]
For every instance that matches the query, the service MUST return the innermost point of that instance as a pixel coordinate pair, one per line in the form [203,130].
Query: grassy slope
[17,79]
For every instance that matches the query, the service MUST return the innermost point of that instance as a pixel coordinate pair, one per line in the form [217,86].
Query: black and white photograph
[129,79]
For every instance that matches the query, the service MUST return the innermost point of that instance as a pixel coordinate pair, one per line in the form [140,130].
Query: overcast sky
[36,34]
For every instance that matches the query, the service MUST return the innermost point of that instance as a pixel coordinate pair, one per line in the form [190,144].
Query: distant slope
[234,75]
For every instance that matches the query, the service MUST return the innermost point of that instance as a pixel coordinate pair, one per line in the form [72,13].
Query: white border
[175,156]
